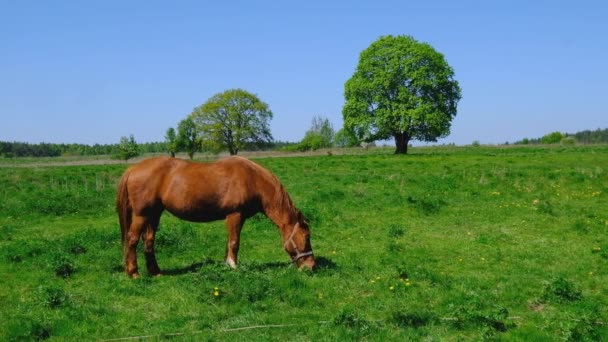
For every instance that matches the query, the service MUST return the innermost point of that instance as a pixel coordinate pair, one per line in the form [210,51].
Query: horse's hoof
[155,273]
[231,263]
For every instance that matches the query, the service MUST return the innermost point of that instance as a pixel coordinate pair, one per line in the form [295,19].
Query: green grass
[442,244]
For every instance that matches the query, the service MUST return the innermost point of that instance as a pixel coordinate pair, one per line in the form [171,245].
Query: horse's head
[297,244]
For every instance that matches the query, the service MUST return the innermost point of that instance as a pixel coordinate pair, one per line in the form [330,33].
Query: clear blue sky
[93,71]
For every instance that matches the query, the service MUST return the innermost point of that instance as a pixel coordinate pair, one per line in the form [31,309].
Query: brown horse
[233,189]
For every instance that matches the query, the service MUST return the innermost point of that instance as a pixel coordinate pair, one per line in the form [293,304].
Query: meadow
[446,243]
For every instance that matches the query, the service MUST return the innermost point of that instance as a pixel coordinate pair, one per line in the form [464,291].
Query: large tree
[233,120]
[401,89]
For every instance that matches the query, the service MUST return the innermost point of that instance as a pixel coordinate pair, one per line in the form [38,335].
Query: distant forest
[21,149]
[599,136]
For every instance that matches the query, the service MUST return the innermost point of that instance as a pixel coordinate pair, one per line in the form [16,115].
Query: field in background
[444,244]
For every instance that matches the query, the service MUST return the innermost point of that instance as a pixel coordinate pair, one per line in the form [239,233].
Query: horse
[233,189]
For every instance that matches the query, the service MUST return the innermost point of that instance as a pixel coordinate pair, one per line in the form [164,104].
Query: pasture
[463,243]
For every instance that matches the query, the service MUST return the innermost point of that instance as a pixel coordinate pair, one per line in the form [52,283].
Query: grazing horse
[233,189]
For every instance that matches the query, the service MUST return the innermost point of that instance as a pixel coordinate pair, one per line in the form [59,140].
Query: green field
[472,243]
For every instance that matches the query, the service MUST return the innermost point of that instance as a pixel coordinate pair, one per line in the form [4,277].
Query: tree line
[22,149]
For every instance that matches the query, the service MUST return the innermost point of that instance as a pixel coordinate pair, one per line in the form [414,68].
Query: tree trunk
[401,140]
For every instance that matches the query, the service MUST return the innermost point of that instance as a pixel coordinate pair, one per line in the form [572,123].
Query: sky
[94,71]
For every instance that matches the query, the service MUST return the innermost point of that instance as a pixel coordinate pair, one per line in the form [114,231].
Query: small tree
[127,148]
[233,120]
[320,135]
[187,137]
[171,141]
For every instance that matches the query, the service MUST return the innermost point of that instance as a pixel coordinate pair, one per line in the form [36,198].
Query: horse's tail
[123,207]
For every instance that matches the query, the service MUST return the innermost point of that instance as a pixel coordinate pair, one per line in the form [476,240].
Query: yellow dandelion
[216,293]
[377,278]
[372,281]
[407,283]
[333,252]
[391,288]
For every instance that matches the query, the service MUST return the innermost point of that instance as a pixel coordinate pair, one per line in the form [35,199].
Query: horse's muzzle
[307,262]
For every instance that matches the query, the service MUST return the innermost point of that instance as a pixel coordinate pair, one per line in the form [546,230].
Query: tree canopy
[401,89]
[233,120]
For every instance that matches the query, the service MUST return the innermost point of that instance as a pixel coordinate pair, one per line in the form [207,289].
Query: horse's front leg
[234,223]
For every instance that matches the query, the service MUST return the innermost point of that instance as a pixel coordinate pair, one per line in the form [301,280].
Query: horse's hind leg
[149,235]
[133,235]
[234,223]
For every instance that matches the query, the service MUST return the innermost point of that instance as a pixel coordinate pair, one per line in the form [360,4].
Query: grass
[443,244]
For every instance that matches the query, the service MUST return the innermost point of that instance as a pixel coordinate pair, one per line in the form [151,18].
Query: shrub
[570,140]
[127,148]
[552,138]
[320,135]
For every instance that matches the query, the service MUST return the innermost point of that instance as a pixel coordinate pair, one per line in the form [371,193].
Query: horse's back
[157,163]
[198,191]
